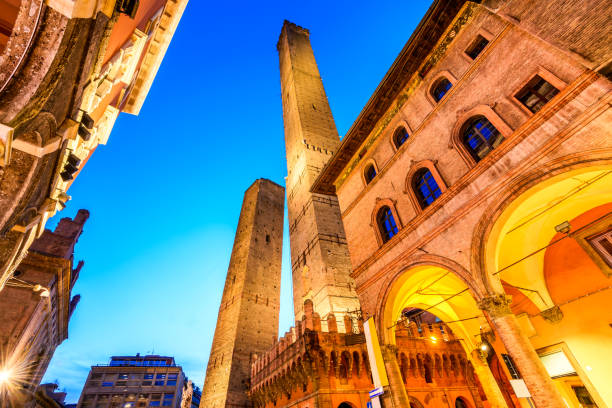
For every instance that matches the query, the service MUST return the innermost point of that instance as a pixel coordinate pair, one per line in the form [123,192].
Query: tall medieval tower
[320,262]
[248,316]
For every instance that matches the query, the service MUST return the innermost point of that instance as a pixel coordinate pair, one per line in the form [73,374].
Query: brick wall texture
[248,316]
[320,261]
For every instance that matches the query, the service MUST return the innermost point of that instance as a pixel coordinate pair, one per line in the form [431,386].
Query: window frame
[456,140]
[545,75]
[585,236]
[429,84]
[380,204]
[396,131]
[482,33]
[366,166]
[416,202]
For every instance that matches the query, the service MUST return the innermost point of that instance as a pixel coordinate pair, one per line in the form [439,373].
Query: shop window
[386,224]
[602,244]
[369,173]
[476,47]
[425,187]
[536,93]
[400,136]
[440,88]
[480,137]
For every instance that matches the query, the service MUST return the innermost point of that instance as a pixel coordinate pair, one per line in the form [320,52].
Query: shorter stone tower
[248,316]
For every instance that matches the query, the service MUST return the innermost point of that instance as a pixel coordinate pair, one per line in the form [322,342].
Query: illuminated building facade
[67,68]
[35,308]
[134,381]
[474,186]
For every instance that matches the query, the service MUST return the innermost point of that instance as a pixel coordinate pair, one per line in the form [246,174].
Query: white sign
[520,389]
[376,392]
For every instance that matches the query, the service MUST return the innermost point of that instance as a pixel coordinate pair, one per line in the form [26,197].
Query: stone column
[487,381]
[534,374]
[399,396]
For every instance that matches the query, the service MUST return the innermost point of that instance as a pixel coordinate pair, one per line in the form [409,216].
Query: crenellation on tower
[320,261]
[248,315]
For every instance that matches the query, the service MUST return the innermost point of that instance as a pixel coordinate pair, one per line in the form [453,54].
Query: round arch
[509,240]
[428,283]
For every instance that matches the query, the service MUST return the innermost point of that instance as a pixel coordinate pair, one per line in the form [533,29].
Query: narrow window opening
[425,187]
[536,94]
[386,224]
[400,136]
[370,173]
[602,244]
[476,46]
[480,137]
[440,89]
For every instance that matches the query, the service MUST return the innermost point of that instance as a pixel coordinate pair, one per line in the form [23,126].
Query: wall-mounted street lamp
[18,283]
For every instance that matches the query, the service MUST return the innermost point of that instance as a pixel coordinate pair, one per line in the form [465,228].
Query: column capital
[496,305]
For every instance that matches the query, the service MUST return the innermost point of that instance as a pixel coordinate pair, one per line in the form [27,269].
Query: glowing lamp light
[433,339]
[5,376]
[44,293]
[484,347]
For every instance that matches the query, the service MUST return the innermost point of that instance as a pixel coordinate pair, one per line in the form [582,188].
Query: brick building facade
[475,185]
[247,323]
[67,68]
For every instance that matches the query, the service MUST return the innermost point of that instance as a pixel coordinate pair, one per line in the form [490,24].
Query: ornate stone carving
[553,315]
[496,306]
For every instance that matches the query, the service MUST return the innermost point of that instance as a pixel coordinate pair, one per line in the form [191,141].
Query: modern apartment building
[134,381]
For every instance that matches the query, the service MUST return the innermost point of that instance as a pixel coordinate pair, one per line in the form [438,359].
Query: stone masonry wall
[248,316]
[320,261]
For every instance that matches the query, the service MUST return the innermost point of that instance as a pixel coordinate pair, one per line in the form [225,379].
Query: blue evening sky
[165,192]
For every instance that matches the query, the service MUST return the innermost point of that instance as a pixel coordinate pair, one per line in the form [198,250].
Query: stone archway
[428,284]
[516,236]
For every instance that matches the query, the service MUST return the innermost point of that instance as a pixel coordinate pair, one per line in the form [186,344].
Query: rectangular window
[160,376]
[107,384]
[121,383]
[602,244]
[148,376]
[159,382]
[536,93]
[123,376]
[168,400]
[145,383]
[476,46]
[172,376]
[171,382]
[154,404]
[96,376]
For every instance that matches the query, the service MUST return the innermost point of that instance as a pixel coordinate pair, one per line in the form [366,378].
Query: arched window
[386,223]
[400,136]
[369,173]
[460,403]
[480,137]
[440,88]
[425,187]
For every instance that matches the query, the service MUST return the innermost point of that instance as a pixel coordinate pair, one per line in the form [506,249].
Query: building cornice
[424,48]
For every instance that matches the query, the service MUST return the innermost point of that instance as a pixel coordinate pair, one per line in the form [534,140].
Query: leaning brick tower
[320,261]
[248,316]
